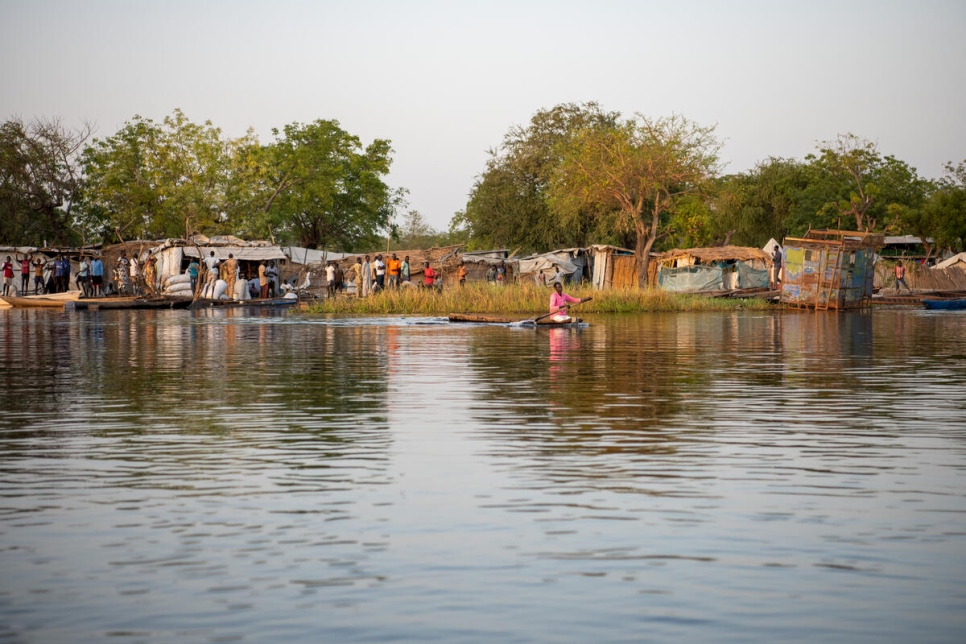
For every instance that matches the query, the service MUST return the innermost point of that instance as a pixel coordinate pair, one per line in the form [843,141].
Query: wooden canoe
[35,302]
[495,319]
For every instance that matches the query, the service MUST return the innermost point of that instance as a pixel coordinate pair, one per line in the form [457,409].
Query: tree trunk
[642,250]
[646,236]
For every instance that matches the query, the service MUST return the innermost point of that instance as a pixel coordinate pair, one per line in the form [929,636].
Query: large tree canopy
[577,175]
[40,181]
[636,174]
[508,205]
[157,180]
[787,197]
[315,184]
[318,184]
[945,209]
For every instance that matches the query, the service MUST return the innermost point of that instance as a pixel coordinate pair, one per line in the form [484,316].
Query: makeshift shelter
[174,255]
[571,262]
[302,256]
[612,267]
[721,268]
[829,269]
[956,260]
[478,264]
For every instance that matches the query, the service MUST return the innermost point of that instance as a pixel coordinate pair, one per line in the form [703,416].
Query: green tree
[158,180]
[636,173]
[508,205]
[945,208]
[415,231]
[690,224]
[40,181]
[317,184]
[864,182]
[763,203]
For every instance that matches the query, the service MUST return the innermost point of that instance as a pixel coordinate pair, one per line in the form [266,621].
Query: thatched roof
[716,254]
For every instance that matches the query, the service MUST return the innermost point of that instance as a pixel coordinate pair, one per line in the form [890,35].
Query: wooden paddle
[562,308]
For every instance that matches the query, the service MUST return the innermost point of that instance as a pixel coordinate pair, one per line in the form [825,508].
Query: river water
[235,475]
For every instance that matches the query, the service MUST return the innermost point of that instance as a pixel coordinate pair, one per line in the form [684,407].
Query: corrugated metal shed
[829,269]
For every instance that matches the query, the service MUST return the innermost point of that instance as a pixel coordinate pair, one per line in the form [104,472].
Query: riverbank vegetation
[578,175]
[575,175]
[524,300]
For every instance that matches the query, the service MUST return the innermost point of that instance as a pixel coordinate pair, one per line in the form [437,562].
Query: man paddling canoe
[559,301]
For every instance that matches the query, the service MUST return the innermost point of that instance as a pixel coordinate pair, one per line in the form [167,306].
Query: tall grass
[523,300]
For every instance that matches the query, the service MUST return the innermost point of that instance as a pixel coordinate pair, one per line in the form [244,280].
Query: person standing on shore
[404,270]
[135,268]
[558,277]
[357,276]
[380,268]
[151,274]
[429,276]
[84,276]
[193,274]
[25,274]
[97,276]
[271,272]
[211,263]
[231,274]
[900,272]
[39,275]
[339,277]
[123,272]
[59,279]
[7,275]
[392,269]
[330,279]
[776,267]
[366,277]
[262,281]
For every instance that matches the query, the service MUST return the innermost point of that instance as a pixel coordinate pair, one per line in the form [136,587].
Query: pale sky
[444,81]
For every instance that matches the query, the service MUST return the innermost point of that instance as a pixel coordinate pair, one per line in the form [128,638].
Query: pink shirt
[559,299]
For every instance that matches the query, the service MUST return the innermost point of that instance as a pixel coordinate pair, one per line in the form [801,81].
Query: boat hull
[945,305]
[495,319]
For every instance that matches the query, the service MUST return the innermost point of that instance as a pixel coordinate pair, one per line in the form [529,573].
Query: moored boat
[945,305]
[34,302]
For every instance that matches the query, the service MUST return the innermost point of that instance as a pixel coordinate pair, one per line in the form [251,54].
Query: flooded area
[236,475]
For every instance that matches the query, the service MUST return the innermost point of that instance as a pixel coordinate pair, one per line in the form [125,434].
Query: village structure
[822,270]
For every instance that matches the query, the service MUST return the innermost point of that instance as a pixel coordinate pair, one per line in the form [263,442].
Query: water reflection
[234,474]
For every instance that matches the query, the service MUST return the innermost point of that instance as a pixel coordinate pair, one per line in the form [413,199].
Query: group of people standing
[263,284]
[370,275]
[52,275]
[497,274]
[133,277]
